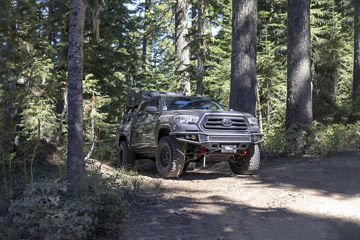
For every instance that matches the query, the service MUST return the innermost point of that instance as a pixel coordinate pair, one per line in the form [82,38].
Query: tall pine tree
[182,48]
[75,160]
[243,59]
[356,78]
[299,93]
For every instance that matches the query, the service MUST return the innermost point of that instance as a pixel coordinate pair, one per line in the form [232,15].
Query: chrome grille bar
[219,122]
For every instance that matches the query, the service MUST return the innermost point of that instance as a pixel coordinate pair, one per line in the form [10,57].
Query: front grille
[230,138]
[213,122]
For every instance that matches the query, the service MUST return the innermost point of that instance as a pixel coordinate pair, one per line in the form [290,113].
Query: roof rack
[136,97]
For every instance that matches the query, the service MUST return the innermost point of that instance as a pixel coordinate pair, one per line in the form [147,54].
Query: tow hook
[202,153]
[242,153]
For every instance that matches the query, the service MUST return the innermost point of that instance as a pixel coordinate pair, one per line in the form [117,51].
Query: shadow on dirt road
[188,218]
[307,198]
[335,175]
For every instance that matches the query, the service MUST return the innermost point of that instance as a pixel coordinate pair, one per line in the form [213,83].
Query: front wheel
[170,157]
[126,158]
[247,164]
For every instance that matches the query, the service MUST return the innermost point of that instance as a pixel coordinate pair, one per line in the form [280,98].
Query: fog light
[257,138]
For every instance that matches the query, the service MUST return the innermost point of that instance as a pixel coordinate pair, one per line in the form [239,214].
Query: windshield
[185,103]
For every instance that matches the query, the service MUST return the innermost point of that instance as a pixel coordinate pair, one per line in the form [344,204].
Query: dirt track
[308,198]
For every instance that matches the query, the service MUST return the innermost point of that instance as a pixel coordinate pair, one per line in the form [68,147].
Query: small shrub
[320,139]
[46,211]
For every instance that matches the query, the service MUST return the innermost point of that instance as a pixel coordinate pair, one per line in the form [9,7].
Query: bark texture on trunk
[182,50]
[243,57]
[59,138]
[356,79]
[299,92]
[96,20]
[87,158]
[202,47]
[8,117]
[148,36]
[75,157]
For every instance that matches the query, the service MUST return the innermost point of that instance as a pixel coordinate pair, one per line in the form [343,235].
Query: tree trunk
[356,79]
[243,58]
[8,116]
[75,157]
[182,50]
[59,138]
[202,47]
[96,20]
[51,27]
[268,107]
[299,93]
[147,38]
[92,120]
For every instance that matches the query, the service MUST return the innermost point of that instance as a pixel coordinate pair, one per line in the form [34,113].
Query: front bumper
[216,140]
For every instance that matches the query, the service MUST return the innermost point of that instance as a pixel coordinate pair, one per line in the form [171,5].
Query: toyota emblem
[226,122]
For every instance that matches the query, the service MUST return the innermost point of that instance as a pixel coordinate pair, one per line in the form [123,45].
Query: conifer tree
[182,49]
[147,36]
[201,46]
[299,93]
[332,59]
[243,59]
[356,78]
[271,63]
[75,161]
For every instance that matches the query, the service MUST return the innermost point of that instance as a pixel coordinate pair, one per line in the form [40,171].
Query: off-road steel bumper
[216,140]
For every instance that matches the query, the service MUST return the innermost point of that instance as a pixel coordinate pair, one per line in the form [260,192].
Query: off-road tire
[247,164]
[170,157]
[126,158]
[185,169]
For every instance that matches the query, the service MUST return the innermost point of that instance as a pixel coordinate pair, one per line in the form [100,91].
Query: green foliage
[319,140]
[94,102]
[271,62]
[33,70]
[218,61]
[47,210]
[332,50]
[38,116]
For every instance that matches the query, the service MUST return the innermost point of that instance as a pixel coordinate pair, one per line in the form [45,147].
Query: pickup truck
[176,131]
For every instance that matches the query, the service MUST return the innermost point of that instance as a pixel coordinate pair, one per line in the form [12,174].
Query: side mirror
[151,109]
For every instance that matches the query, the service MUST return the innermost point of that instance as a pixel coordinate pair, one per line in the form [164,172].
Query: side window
[141,112]
[154,102]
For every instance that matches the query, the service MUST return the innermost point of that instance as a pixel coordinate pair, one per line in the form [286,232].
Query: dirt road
[293,198]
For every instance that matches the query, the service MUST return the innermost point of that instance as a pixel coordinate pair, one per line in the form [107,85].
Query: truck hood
[202,112]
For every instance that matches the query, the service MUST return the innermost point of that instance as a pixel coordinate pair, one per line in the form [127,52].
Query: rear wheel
[126,158]
[170,157]
[247,164]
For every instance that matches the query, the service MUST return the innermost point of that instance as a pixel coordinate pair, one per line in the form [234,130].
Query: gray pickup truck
[177,131]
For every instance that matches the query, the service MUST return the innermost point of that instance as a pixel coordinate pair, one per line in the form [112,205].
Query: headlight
[186,119]
[253,121]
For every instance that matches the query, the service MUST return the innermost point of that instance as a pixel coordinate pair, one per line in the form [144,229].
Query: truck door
[150,125]
[143,128]
[138,128]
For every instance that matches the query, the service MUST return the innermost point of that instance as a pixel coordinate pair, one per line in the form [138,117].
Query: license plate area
[228,148]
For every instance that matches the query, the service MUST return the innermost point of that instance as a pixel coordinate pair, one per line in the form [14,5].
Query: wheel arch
[121,139]
[163,132]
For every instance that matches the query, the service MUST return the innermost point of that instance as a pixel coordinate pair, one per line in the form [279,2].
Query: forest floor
[289,198]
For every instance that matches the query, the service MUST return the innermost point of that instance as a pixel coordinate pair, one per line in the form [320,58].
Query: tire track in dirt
[304,198]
